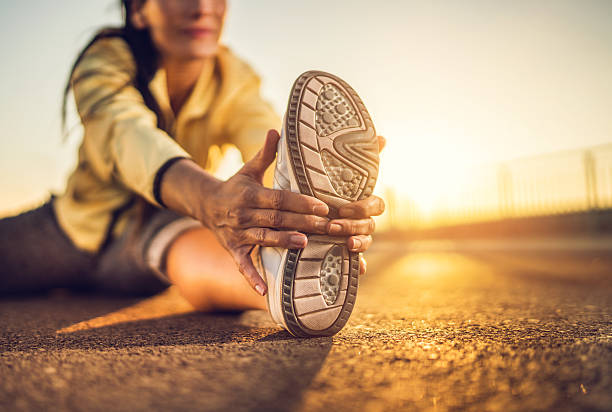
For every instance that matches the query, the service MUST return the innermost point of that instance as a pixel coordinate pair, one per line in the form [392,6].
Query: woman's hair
[145,55]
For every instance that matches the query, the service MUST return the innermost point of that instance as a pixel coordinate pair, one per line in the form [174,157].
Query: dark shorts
[36,255]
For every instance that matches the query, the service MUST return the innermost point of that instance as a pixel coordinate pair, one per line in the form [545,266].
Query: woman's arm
[121,139]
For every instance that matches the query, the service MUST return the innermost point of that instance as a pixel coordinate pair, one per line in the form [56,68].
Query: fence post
[590,175]
[391,207]
[504,191]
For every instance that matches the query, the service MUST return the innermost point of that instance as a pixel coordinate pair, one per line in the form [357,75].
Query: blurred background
[493,111]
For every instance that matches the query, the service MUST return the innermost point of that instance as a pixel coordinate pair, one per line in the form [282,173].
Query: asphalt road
[435,328]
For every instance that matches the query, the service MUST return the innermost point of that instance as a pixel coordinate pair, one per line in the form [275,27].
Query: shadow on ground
[234,361]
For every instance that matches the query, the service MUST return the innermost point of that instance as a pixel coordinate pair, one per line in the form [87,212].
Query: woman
[141,210]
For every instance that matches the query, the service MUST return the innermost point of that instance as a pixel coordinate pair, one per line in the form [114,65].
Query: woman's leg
[36,255]
[206,275]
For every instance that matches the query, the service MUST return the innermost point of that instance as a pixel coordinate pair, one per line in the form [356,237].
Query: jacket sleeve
[121,139]
[250,119]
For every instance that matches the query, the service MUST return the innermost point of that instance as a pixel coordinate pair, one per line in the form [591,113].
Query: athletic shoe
[328,149]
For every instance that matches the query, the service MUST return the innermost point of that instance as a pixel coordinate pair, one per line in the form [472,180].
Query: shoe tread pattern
[334,111]
[292,321]
[353,169]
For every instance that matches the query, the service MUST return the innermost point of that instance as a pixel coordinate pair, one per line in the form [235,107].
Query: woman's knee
[207,276]
[195,264]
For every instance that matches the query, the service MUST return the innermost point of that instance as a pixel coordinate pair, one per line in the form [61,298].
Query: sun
[422,179]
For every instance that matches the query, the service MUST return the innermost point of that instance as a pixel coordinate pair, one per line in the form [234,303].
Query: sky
[450,84]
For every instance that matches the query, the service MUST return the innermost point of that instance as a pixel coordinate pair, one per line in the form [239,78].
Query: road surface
[435,328]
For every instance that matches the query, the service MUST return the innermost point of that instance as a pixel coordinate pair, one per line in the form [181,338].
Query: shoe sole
[333,152]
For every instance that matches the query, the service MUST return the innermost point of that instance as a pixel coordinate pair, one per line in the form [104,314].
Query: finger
[382,142]
[359,243]
[371,206]
[256,167]
[363,265]
[275,238]
[289,201]
[286,220]
[246,267]
[338,227]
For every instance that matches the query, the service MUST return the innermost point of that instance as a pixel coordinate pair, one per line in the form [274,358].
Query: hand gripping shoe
[328,149]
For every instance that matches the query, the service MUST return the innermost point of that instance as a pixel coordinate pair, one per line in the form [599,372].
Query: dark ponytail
[143,51]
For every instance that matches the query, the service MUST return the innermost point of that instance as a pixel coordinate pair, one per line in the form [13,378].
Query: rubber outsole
[357,145]
[333,153]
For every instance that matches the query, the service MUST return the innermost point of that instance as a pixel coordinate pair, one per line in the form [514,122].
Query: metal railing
[553,184]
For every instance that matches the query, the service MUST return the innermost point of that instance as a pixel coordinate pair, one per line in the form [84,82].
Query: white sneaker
[328,149]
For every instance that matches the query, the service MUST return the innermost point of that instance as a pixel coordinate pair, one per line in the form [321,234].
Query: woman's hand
[243,213]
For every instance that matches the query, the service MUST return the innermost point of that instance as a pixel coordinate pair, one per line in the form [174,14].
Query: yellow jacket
[123,149]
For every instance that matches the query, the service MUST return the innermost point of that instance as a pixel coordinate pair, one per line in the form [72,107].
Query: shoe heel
[319,286]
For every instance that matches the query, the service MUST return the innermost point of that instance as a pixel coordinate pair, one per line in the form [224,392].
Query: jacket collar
[196,104]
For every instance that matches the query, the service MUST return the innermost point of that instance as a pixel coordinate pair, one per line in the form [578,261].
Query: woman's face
[182,29]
